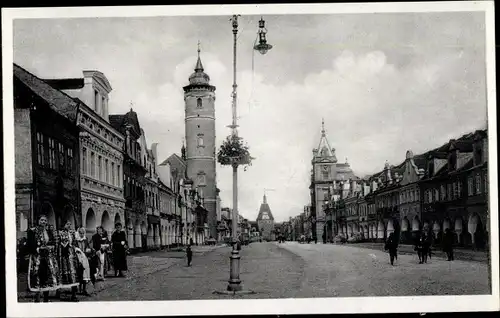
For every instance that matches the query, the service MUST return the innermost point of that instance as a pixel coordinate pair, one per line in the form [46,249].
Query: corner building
[199,98]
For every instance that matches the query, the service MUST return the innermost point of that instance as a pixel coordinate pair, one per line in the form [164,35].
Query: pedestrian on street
[119,243]
[392,246]
[84,253]
[67,259]
[43,271]
[425,246]
[189,254]
[419,247]
[448,244]
[101,244]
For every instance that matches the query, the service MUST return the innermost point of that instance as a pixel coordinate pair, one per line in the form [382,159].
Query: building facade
[454,191]
[444,188]
[134,180]
[151,195]
[46,154]
[168,201]
[199,97]
[101,157]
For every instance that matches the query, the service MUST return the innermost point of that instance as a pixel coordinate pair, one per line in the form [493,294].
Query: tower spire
[199,66]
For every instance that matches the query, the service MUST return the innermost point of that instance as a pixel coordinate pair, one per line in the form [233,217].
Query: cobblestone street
[299,270]
[343,270]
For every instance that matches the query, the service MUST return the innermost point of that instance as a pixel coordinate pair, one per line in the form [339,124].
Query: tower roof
[199,77]
[265,211]
[324,149]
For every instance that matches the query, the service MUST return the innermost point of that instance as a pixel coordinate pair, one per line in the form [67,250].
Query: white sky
[384,83]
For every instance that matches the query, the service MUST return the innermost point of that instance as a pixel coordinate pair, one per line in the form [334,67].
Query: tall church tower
[328,177]
[199,98]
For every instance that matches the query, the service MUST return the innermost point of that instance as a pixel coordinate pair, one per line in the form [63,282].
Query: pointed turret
[324,149]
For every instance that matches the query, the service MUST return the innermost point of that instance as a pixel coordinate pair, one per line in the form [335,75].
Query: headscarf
[78,236]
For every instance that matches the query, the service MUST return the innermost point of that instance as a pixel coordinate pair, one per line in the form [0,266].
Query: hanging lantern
[262,47]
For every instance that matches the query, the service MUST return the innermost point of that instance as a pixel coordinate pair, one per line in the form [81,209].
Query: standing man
[189,254]
[392,245]
[448,244]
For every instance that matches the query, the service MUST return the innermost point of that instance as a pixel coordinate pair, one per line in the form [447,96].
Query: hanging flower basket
[234,152]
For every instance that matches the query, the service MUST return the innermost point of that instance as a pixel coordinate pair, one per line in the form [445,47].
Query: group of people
[423,246]
[65,259]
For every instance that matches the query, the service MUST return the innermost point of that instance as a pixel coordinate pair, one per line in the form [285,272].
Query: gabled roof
[119,122]
[174,157]
[60,102]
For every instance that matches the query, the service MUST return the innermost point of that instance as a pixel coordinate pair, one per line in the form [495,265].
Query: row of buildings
[443,188]
[75,161]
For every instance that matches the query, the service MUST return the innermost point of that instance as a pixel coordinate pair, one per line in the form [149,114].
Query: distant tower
[265,220]
[199,98]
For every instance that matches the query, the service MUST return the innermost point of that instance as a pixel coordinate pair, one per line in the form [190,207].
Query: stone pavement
[347,270]
[459,253]
[139,265]
[266,269]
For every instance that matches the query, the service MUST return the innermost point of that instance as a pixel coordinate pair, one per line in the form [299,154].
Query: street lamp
[235,285]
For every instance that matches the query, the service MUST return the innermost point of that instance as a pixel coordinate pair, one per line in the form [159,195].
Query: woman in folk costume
[101,244]
[43,272]
[68,260]
[119,241]
[83,252]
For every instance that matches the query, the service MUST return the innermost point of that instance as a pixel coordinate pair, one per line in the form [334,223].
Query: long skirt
[43,272]
[119,259]
[68,268]
[84,263]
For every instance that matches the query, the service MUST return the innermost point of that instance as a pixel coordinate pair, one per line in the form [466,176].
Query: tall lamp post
[235,285]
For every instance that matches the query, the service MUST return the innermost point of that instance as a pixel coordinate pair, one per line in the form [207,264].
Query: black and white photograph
[250,159]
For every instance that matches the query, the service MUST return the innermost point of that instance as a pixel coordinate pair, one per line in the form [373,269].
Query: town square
[252,156]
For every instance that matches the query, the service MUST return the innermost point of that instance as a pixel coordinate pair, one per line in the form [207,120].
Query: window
[436,195]
[62,157]
[486,183]
[96,102]
[199,103]
[455,190]
[113,173]
[52,153]
[99,168]
[470,186]
[201,179]
[448,188]
[417,194]
[459,189]
[443,193]
[118,175]
[84,161]
[70,164]
[200,142]
[478,183]
[106,170]
[103,106]
[40,149]
[430,196]
[92,164]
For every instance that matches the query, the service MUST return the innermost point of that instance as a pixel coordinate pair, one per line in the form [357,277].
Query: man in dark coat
[448,244]
[189,254]
[392,245]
